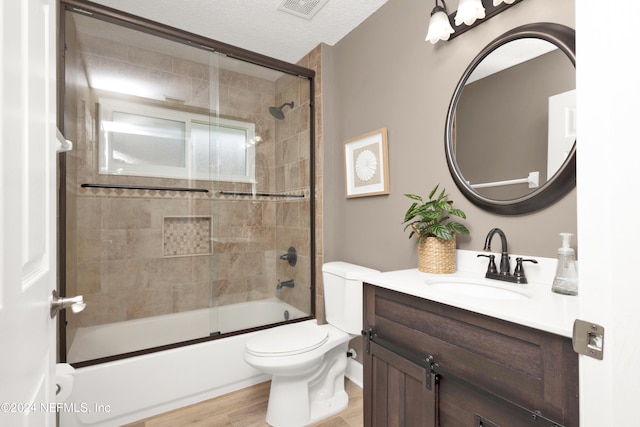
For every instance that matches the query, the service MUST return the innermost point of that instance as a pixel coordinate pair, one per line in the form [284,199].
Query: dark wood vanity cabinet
[430,364]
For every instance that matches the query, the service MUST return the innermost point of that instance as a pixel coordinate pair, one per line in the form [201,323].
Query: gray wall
[383,74]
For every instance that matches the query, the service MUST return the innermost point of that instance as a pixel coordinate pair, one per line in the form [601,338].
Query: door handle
[77,304]
[63,143]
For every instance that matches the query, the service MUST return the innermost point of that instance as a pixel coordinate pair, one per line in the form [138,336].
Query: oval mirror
[510,131]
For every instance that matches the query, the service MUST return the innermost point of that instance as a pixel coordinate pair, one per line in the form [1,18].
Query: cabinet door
[533,370]
[398,393]
[463,405]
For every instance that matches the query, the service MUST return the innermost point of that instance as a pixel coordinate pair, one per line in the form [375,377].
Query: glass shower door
[138,220]
[183,192]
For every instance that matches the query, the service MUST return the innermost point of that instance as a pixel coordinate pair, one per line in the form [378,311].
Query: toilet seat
[290,340]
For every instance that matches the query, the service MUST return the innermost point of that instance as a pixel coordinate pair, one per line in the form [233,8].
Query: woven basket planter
[436,255]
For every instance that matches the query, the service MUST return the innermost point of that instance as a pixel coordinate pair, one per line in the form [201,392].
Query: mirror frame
[564,180]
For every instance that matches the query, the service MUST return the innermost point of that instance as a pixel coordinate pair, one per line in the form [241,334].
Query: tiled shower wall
[292,160]
[313,60]
[115,241]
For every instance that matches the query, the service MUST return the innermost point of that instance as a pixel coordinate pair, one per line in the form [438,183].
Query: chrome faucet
[504,274]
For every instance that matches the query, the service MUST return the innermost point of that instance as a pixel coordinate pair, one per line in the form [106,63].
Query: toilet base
[298,416]
[326,408]
[296,402]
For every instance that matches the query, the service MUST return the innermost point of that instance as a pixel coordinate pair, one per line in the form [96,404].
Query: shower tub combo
[191,174]
[138,387]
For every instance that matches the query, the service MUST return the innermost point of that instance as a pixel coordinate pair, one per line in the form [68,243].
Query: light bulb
[469,11]
[439,26]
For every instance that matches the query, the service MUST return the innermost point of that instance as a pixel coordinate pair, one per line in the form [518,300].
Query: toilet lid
[288,340]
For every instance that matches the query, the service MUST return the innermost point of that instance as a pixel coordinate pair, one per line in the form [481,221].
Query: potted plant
[430,221]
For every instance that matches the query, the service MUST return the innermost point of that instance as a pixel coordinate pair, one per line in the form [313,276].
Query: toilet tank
[343,295]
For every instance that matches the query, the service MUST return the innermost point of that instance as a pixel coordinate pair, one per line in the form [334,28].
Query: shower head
[277,112]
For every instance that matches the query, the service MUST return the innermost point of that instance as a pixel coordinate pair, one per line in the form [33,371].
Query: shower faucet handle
[291,256]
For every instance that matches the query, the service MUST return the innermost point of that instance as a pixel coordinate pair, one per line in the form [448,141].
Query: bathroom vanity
[458,350]
[465,350]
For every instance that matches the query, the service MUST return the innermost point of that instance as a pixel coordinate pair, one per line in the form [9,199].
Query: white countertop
[539,308]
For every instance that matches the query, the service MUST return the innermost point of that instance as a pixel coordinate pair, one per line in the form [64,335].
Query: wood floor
[247,408]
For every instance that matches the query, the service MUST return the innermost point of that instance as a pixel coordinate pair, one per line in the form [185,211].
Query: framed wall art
[366,164]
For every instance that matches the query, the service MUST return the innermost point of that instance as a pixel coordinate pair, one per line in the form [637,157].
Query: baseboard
[354,372]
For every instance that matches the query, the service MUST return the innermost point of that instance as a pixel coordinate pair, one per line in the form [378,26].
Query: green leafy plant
[432,218]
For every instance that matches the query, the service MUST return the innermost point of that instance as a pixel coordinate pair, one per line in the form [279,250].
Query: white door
[27,211]
[608,206]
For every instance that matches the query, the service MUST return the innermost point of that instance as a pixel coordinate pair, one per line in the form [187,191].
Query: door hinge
[588,339]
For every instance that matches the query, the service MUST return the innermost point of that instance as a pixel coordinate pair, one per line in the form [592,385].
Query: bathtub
[93,342]
[123,391]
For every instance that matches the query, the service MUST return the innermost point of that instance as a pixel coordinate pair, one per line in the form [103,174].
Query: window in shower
[144,140]
[195,189]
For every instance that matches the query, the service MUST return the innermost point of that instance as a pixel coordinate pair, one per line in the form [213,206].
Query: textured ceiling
[256,25]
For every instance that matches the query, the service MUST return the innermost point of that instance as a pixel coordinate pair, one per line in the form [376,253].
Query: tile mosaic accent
[186,235]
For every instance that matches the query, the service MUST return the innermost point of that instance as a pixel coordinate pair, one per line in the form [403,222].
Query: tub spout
[286,284]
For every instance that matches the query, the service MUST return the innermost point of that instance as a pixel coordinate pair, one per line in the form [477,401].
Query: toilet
[307,361]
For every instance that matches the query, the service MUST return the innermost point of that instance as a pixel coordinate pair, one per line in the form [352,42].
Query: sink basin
[477,288]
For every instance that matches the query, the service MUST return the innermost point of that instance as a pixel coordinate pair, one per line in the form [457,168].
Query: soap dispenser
[566,280]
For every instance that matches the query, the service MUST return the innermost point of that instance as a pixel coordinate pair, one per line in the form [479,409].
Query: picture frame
[367,165]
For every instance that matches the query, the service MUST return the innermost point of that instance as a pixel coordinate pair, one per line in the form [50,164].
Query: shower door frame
[193,40]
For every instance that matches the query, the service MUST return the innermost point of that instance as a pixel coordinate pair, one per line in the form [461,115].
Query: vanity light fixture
[466,17]
[439,26]
[469,11]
